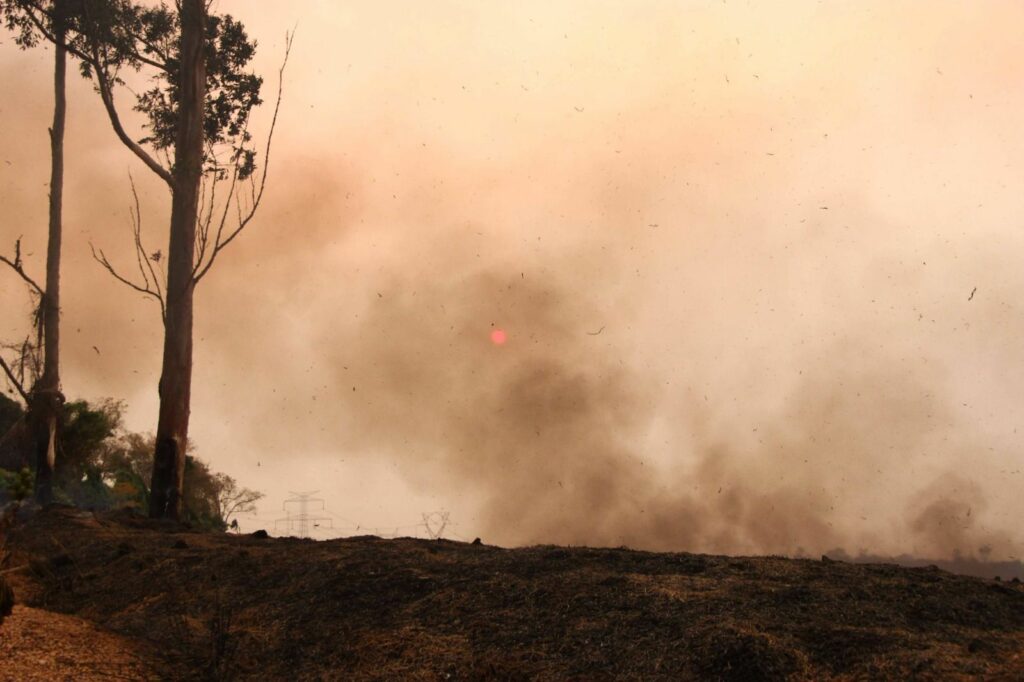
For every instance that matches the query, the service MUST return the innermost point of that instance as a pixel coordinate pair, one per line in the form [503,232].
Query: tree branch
[145,289]
[133,54]
[220,225]
[46,32]
[106,95]
[28,360]
[244,220]
[141,255]
[103,82]
[159,52]
[17,266]
[14,380]
[203,232]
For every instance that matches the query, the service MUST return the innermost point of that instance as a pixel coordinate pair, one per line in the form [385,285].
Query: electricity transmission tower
[299,519]
[435,523]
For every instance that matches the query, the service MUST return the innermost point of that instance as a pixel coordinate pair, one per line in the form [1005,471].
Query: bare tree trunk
[176,374]
[46,398]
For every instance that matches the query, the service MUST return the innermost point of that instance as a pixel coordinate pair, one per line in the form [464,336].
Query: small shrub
[17,485]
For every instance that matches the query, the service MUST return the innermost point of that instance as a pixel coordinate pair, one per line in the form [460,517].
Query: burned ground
[362,608]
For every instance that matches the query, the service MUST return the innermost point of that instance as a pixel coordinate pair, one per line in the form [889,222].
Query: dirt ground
[128,598]
[43,646]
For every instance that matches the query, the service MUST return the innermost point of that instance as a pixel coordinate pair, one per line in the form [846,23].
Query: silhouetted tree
[210,498]
[103,466]
[199,106]
[44,397]
[233,500]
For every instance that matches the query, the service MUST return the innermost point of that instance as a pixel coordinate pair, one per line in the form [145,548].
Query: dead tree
[44,399]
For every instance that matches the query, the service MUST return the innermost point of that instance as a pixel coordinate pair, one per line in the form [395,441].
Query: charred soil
[216,606]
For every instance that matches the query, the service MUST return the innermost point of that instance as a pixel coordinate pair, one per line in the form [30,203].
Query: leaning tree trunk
[46,399]
[176,374]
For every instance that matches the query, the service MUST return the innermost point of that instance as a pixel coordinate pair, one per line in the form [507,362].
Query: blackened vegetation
[6,599]
[370,608]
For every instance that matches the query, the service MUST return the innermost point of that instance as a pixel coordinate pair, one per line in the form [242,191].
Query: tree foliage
[16,485]
[232,93]
[105,466]
[112,36]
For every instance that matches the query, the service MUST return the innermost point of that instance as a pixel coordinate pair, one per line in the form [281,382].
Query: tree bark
[176,374]
[46,399]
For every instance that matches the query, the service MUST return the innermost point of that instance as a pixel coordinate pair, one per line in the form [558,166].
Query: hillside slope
[361,608]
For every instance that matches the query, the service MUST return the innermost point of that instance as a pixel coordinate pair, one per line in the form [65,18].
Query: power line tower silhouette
[301,520]
[435,523]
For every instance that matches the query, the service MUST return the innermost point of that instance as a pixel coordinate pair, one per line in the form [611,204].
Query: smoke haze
[759,270]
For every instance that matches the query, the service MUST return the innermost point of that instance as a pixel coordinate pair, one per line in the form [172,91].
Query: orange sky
[774,214]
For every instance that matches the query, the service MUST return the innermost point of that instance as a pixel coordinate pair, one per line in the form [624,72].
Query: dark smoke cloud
[551,430]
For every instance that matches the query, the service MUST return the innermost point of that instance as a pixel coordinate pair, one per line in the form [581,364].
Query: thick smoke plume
[759,269]
[552,431]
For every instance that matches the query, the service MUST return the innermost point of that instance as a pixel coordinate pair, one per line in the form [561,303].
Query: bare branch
[29,360]
[221,223]
[24,371]
[136,226]
[144,289]
[257,195]
[141,254]
[19,268]
[203,232]
[14,380]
